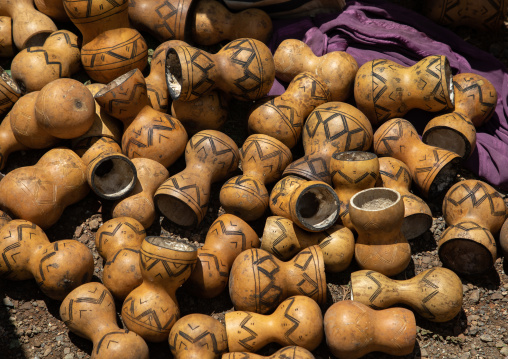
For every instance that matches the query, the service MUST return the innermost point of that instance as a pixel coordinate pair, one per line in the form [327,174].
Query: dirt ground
[30,326]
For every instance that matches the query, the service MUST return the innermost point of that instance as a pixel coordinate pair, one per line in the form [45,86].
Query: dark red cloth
[373,29]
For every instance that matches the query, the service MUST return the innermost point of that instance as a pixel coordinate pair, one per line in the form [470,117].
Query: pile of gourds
[337,202]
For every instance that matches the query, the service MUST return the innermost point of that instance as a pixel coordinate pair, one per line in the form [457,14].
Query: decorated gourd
[336,68]
[227,237]
[435,294]
[474,213]
[296,321]
[118,241]
[259,281]
[210,156]
[377,215]
[385,90]
[57,267]
[331,127]
[353,329]
[264,158]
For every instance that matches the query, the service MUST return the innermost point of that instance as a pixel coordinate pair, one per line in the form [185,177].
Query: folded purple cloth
[373,29]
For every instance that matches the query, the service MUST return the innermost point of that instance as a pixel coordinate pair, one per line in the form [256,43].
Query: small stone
[485,338]
[496,296]
[67,350]
[78,232]
[473,330]
[59,338]
[465,288]
[500,344]
[465,355]
[473,317]
[475,296]
[69,356]
[504,351]
[47,352]
[8,303]
[423,353]
[426,260]
[94,224]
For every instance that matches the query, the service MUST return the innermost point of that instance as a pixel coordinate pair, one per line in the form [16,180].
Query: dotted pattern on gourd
[106,236]
[390,144]
[252,334]
[194,335]
[383,98]
[280,239]
[293,323]
[169,19]
[115,57]
[148,136]
[24,233]
[253,149]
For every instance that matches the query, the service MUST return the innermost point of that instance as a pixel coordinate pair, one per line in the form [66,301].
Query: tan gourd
[95,17]
[118,242]
[124,97]
[7,48]
[435,294]
[25,127]
[243,69]
[210,156]
[156,85]
[385,89]
[479,14]
[29,26]
[154,135]
[296,321]
[283,239]
[65,108]
[311,205]
[53,8]
[198,336]
[475,102]
[89,311]
[331,127]
[110,47]
[337,68]
[282,117]
[474,213]
[291,352]
[433,169]
[259,282]
[35,67]
[264,158]
[227,237]
[8,142]
[213,23]
[352,172]
[395,174]
[10,92]
[110,174]
[139,204]
[352,330]
[57,267]
[151,309]
[163,19]
[377,215]
[41,192]
[208,112]
[503,237]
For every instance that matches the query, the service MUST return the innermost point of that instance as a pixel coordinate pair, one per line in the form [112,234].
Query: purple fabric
[373,29]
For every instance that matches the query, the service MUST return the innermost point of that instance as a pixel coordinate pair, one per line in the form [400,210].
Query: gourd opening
[375,199]
[113,177]
[169,243]
[173,74]
[115,83]
[449,139]
[354,156]
[176,210]
[317,207]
